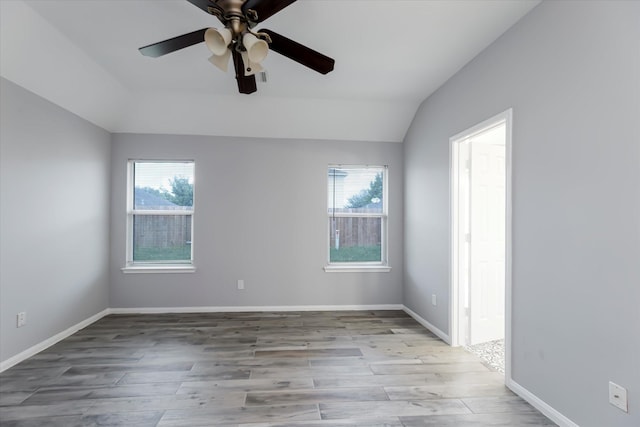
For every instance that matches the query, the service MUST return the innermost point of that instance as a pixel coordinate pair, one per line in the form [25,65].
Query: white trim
[384,220]
[357,215]
[454,312]
[128,257]
[131,212]
[505,117]
[256,308]
[31,351]
[359,268]
[542,406]
[160,212]
[508,243]
[444,337]
[158,268]
[534,400]
[484,125]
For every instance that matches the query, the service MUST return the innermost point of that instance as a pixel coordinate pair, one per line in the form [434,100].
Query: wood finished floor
[365,368]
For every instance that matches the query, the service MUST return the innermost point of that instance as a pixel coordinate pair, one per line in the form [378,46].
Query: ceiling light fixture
[237,40]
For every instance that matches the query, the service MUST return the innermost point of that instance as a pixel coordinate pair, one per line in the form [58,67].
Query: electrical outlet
[21,319]
[618,396]
[240,284]
[434,301]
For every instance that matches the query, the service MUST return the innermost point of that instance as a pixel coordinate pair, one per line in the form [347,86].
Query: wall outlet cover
[21,319]
[618,396]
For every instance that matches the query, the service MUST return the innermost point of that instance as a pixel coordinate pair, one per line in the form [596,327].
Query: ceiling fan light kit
[221,61]
[218,40]
[250,67]
[256,48]
[237,40]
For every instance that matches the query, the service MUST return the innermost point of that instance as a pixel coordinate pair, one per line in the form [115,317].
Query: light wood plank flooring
[356,368]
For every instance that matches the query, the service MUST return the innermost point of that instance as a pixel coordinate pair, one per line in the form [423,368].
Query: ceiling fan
[238,41]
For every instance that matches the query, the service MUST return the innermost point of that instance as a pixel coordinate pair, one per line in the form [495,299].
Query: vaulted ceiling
[390,55]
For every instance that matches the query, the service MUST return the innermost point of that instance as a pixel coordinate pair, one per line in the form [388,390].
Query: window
[357,216]
[160,216]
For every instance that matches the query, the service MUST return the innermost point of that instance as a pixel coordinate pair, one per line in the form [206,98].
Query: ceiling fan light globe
[257,49]
[221,61]
[217,40]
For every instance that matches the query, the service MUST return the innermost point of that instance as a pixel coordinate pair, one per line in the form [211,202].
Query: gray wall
[54,219]
[260,216]
[571,72]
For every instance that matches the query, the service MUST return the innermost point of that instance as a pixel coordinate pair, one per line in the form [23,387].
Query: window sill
[171,268]
[357,268]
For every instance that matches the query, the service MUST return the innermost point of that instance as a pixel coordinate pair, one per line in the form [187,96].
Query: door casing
[455,326]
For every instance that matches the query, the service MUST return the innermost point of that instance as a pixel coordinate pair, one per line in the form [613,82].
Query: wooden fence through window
[358,231]
[162,231]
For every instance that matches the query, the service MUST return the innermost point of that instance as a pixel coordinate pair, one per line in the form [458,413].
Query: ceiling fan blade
[265,8]
[246,84]
[171,45]
[299,53]
[202,4]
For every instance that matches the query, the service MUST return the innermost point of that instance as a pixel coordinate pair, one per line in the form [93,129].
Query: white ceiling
[390,55]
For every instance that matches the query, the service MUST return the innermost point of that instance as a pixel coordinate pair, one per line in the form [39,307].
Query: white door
[487,236]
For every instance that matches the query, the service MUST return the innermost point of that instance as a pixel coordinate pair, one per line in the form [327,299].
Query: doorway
[481,248]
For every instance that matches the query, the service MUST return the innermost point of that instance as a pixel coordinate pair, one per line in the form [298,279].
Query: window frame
[132,266]
[361,266]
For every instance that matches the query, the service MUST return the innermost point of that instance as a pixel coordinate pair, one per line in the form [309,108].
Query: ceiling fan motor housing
[230,13]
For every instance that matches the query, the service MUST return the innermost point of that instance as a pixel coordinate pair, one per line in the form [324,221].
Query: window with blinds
[357,215]
[160,212]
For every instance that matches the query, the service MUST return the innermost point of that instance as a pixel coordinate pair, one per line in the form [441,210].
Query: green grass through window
[175,253]
[356,254]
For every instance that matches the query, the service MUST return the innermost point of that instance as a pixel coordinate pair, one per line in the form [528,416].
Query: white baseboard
[540,404]
[534,400]
[258,308]
[31,351]
[444,337]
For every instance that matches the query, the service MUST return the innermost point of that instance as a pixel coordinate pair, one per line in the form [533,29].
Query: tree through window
[357,213]
[160,213]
